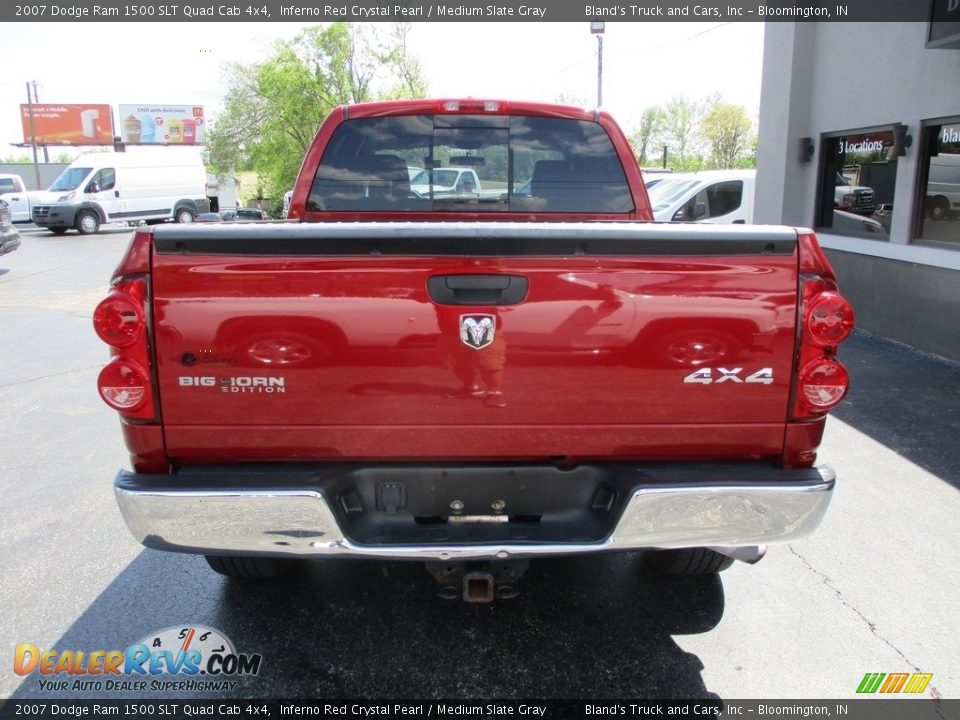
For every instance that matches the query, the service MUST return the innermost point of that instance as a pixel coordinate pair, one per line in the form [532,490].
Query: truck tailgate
[469,340]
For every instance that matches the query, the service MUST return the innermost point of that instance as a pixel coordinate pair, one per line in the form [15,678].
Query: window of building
[937,209]
[858,174]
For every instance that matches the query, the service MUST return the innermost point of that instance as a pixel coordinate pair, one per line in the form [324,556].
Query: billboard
[60,124]
[162,124]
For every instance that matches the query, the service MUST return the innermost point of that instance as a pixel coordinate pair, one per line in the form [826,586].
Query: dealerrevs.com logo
[178,658]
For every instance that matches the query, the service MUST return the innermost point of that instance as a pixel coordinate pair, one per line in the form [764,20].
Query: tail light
[118,319]
[823,383]
[126,383]
[826,319]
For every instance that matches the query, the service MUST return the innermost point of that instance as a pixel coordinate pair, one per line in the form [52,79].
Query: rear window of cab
[468,163]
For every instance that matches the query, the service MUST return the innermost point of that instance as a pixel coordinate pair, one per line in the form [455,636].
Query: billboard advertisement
[60,124]
[162,124]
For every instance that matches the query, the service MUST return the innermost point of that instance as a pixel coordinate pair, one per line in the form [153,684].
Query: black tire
[939,209]
[88,222]
[185,215]
[688,561]
[249,568]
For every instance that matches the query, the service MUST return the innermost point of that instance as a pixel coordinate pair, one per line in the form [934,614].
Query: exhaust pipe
[478,587]
[750,554]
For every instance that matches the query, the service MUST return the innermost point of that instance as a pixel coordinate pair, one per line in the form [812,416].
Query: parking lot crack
[934,692]
[47,377]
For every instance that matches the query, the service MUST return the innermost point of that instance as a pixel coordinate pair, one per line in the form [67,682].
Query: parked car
[9,236]
[249,214]
[384,372]
[228,215]
[208,217]
[14,193]
[851,223]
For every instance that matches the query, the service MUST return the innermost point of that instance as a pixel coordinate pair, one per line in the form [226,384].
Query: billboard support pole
[36,99]
[33,138]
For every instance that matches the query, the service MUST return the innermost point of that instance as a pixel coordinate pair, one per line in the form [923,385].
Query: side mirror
[699,211]
[93,187]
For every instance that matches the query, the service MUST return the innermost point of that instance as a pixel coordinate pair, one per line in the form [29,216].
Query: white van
[943,186]
[711,196]
[154,186]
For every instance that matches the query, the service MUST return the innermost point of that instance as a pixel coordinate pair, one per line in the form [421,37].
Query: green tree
[647,132]
[729,133]
[681,123]
[272,109]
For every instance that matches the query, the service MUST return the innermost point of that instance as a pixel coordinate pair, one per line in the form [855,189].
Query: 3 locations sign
[147,124]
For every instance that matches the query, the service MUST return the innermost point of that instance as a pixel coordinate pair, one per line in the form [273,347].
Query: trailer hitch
[478,582]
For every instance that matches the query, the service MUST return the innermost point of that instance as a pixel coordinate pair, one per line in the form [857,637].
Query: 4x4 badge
[477,331]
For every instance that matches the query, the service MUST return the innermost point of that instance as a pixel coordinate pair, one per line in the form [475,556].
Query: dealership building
[860,140]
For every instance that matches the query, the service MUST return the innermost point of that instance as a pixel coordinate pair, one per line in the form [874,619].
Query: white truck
[852,198]
[155,186]
[14,193]
[452,182]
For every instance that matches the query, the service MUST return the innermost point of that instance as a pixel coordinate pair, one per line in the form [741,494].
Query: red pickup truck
[472,380]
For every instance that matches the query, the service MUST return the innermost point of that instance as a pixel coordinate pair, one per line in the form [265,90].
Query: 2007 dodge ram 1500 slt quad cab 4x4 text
[472,381]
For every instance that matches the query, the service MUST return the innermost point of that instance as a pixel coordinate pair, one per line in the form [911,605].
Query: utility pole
[33,138]
[36,99]
[597,28]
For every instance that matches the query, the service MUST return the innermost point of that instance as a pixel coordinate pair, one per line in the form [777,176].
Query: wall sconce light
[901,140]
[806,149]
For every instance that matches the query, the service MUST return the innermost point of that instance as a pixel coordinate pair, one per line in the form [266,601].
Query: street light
[596,28]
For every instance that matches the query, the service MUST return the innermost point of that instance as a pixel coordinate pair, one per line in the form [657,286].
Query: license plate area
[471,504]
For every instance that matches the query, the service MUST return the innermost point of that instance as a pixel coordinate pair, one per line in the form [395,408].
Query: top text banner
[480,10]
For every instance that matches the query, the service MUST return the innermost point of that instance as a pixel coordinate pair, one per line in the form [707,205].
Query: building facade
[860,140]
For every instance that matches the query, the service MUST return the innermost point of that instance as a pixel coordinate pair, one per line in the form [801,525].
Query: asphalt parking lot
[874,590]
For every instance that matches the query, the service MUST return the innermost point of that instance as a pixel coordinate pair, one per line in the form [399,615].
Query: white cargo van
[711,196]
[154,186]
[943,186]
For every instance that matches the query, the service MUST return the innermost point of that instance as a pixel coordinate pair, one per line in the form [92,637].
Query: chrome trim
[300,522]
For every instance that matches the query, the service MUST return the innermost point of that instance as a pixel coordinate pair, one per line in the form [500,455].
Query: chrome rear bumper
[203,514]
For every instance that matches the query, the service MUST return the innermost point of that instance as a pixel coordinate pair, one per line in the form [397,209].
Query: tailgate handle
[477,289]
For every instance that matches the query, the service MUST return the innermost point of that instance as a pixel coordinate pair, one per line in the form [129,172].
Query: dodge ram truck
[472,382]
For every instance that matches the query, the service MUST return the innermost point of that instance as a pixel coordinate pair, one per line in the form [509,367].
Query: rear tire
[939,209]
[688,561]
[88,223]
[185,216]
[249,568]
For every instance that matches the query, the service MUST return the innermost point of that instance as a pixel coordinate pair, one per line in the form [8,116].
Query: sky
[644,64]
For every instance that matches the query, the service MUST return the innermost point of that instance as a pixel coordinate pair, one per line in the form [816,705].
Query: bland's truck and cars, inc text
[472,379]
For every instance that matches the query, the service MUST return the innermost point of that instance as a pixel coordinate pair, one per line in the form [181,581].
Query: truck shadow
[583,627]
[906,400]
